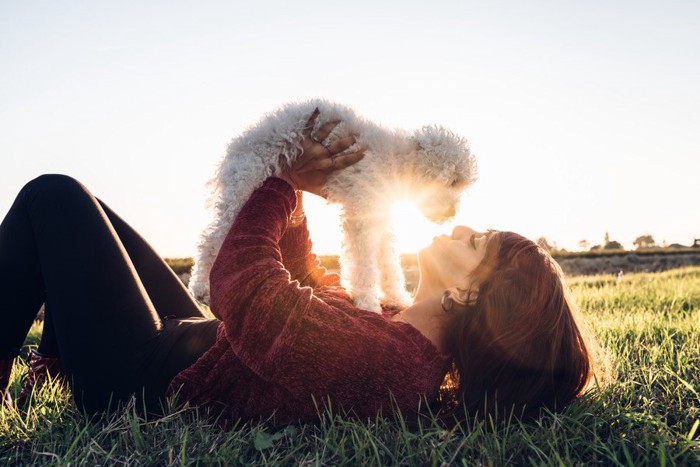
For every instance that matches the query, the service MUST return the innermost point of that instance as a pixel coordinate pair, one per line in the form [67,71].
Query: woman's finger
[338,146]
[311,122]
[338,161]
[346,160]
[325,130]
[321,151]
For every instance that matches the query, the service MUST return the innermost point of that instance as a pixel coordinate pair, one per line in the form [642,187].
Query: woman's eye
[474,238]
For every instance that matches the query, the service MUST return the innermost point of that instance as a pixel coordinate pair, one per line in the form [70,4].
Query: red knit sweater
[291,338]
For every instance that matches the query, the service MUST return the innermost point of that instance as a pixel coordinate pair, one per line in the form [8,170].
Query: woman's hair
[520,346]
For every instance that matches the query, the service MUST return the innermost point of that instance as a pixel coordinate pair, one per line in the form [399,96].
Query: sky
[584,117]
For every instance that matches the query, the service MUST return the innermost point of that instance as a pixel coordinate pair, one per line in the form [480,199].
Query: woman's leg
[168,294]
[166,291]
[21,282]
[58,245]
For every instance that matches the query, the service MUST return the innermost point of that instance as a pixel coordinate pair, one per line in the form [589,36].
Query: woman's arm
[297,255]
[251,291]
[289,337]
[309,172]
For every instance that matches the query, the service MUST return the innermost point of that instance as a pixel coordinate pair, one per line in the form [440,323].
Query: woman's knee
[53,186]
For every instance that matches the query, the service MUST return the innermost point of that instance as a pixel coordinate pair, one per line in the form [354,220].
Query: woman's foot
[40,368]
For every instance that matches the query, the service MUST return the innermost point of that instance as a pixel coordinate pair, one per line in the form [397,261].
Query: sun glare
[413,231]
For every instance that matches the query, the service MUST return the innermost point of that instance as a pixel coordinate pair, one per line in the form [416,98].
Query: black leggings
[117,315]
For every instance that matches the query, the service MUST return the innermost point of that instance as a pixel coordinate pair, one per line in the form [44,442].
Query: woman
[490,310]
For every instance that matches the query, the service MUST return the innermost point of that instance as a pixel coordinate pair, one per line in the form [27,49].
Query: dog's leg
[393,282]
[359,263]
[208,249]
[198,284]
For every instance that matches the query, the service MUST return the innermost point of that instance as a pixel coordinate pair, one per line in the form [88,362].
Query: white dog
[432,166]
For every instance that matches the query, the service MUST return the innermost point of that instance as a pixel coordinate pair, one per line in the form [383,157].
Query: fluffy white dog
[431,166]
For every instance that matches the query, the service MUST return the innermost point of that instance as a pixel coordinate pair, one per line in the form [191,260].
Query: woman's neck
[427,290]
[427,316]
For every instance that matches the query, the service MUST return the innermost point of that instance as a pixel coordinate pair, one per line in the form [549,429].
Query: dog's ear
[438,139]
[415,142]
[445,148]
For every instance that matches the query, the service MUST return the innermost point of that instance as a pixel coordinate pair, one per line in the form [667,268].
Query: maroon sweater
[291,338]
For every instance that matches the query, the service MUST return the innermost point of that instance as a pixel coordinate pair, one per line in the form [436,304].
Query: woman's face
[449,259]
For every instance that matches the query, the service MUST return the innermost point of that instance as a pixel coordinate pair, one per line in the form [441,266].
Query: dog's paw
[202,298]
[368,303]
[397,300]
[199,292]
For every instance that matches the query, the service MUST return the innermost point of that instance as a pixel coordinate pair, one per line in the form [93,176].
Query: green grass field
[649,325]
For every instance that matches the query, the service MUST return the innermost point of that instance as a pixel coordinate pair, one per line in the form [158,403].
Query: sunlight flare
[413,231]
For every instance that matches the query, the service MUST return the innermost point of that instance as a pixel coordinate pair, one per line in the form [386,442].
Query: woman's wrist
[297,217]
[289,180]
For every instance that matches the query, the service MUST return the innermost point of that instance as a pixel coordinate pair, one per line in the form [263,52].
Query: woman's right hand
[318,160]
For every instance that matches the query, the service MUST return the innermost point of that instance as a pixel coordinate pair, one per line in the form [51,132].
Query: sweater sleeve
[251,290]
[288,336]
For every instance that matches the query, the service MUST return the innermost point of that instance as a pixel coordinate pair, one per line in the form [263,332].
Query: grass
[180,265]
[648,323]
[601,253]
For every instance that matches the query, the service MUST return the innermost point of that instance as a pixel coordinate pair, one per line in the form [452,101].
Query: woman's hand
[318,160]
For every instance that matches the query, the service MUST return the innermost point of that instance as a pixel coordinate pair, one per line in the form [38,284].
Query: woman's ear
[464,295]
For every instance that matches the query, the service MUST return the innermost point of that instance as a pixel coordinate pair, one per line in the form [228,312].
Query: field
[649,324]
[648,260]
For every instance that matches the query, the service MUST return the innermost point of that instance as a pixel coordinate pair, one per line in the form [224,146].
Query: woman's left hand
[318,160]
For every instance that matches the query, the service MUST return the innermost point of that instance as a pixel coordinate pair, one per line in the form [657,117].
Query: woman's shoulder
[339,298]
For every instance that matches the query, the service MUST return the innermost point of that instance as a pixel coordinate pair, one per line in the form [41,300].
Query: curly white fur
[432,165]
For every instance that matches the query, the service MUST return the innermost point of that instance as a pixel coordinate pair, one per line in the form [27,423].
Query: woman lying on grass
[491,319]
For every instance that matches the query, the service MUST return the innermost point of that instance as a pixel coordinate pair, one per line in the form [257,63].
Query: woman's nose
[462,231]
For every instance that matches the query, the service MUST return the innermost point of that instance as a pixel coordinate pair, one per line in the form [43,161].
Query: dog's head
[443,168]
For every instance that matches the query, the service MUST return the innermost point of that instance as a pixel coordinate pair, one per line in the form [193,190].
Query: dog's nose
[438,214]
[445,214]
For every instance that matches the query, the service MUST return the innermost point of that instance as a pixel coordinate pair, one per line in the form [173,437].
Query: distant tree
[644,241]
[583,244]
[596,247]
[612,245]
[608,244]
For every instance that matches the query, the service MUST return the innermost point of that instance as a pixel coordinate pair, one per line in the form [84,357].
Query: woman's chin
[422,254]
[424,258]
[427,250]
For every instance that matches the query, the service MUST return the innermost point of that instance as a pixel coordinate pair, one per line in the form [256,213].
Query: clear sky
[584,116]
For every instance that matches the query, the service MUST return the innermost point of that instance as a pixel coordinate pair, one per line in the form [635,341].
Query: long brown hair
[520,345]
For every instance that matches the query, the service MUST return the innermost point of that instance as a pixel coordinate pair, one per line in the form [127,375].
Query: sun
[413,231]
